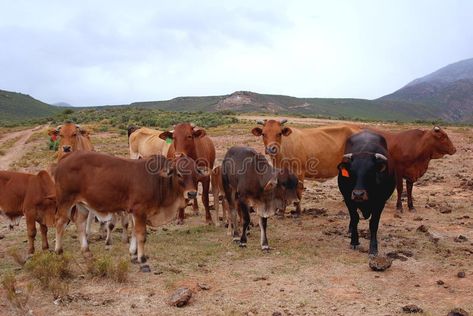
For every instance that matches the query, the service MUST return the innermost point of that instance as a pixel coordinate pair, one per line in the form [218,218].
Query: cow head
[185,175]
[440,143]
[281,190]
[183,138]
[68,137]
[364,171]
[272,131]
[131,129]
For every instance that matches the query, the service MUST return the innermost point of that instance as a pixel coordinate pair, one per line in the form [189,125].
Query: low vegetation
[105,266]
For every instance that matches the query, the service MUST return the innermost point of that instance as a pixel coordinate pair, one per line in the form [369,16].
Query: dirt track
[310,270]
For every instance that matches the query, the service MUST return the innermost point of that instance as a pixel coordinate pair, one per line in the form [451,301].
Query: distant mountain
[62,104]
[447,91]
[247,101]
[17,106]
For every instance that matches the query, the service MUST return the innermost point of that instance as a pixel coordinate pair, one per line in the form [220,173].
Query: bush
[17,298]
[48,268]
[106,267]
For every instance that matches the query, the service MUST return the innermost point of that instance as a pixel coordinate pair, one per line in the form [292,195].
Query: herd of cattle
[161,179]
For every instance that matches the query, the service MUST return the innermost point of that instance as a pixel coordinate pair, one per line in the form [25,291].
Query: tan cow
[30,195]
[310,153]
[145,142]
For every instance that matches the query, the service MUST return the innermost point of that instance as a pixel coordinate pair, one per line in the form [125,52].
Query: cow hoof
[412,209]
[180,222]
[108,247]
[59,251]
[236,239]
[210,222]
[355,247]
[397,215]
[242,244]
[145,268]
[196,213]
[134,259]
[143,259]
[29,256]
[265,248]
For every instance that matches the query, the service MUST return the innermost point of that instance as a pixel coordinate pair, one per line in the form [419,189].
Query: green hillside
[250,102]
[17,106]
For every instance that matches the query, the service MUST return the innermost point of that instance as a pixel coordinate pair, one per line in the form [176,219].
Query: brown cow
[73,138]
[194,143]
[152,190]
[311,153]
[30,195]
[145,142]
[411,152]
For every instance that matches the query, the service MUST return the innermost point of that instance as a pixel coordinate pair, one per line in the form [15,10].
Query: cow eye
[190,136]
[263,134]
[279,134]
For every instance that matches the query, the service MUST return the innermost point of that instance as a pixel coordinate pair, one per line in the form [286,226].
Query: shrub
[17,298]
[106,267]
[49,268]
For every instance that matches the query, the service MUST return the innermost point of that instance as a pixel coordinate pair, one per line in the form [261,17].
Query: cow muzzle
[359,195]
[191,194]
[67,148]
[271,149]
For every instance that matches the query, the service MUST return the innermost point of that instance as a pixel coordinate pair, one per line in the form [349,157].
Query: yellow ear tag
[345,173]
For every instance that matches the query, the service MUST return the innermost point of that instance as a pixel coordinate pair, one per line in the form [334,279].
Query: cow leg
[124,222]
[61,223]
[410,203]
[225,212]
[354,219]
[110,225]
[263,223]
[44,237]
[215,194]
[245,212]
[195,207]
[399,188]
[133,247]
[180,216]
[205,201]
[374,223]
[81,223]
[300,189]
[90,220]
[140,236]
[233,226]
[31,228]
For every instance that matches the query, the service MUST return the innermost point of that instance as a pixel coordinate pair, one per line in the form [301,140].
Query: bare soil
[310,270]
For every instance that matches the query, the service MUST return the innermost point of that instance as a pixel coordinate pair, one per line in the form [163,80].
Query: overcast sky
[116,52]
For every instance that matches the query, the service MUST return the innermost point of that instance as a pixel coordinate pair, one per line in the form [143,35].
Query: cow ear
[199,133]
[53,132]
[165,135]
[257,131]
[286,131]
[203,171]
[166,172]
[271,184]
[83,132]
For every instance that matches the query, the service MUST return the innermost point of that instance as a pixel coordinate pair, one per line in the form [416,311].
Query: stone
[180,297]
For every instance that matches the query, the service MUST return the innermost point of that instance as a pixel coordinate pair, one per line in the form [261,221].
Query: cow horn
[380,156]
[260,122]
[348,156]
[436,128]
[193,125]
[282,121]
[58,127]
